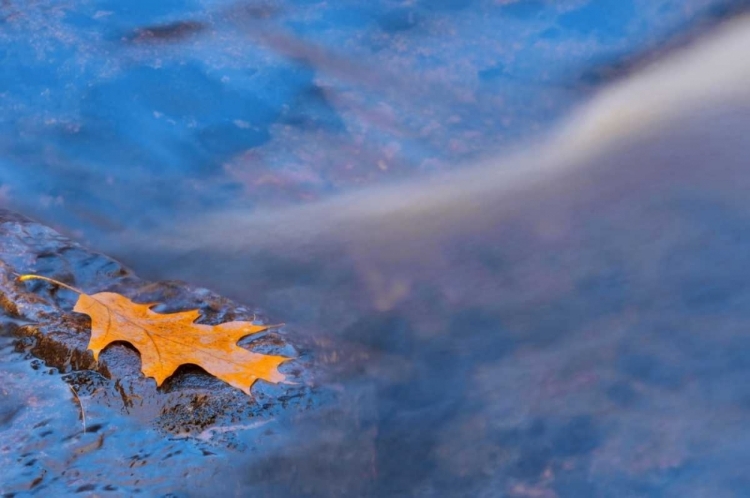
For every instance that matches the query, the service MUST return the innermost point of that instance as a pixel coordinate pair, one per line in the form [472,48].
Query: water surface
[590,343]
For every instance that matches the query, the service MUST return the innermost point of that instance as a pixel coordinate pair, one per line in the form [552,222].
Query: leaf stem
[24,278]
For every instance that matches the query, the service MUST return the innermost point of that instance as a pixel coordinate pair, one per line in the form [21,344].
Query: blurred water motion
[585,338]
[186,105]
[587,341]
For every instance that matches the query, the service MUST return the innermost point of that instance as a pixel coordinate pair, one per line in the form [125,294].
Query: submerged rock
[191,401]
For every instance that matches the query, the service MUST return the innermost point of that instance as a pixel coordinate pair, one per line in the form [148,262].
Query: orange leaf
[169,340]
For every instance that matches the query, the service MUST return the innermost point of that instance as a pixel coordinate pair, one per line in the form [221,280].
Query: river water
[591,344]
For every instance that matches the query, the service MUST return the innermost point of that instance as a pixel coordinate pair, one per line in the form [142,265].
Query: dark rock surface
[189,402]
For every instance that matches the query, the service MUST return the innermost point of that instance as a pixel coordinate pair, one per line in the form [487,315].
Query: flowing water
[575,328]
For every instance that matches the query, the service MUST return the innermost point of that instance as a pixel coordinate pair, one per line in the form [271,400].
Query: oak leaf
[168,340]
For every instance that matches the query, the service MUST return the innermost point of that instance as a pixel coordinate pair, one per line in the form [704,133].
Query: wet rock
[176,31]
[189,402]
